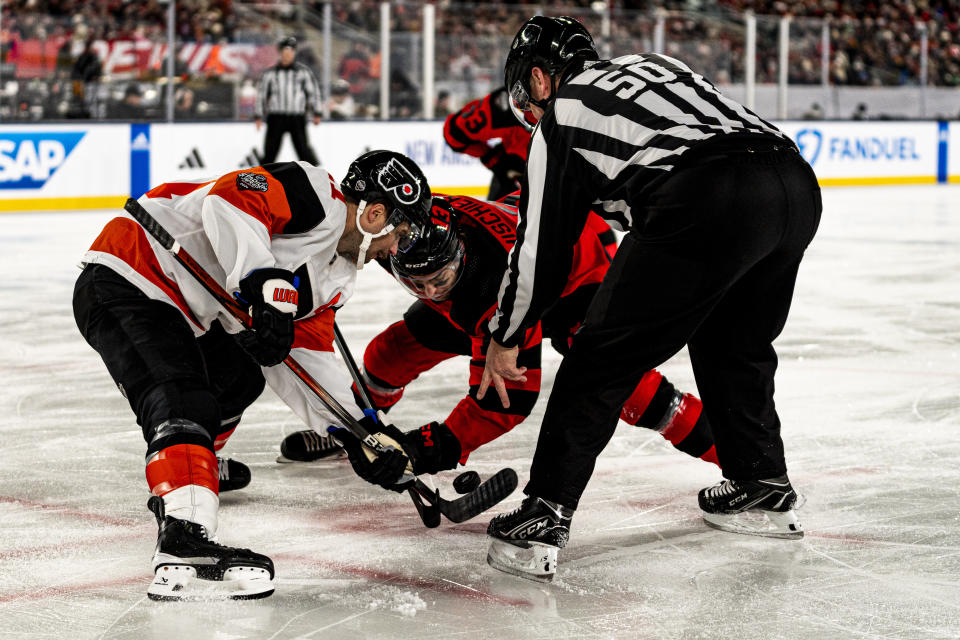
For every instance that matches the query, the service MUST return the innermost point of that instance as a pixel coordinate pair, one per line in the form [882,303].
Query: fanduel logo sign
[809,141]
[855,148]
[27,160]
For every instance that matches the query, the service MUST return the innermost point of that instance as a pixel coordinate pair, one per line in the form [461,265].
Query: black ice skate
[307,446]
[233,474]
[189,566]
[525,542]
[754,507]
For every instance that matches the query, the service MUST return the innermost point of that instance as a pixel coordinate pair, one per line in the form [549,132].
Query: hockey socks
[656,404]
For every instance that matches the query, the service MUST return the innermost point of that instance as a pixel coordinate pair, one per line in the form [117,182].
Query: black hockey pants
[711,264]
[159,366]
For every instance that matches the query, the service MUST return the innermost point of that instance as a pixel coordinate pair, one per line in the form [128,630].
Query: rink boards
[95,166]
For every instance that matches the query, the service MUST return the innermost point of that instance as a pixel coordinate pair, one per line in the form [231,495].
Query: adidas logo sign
[193,160]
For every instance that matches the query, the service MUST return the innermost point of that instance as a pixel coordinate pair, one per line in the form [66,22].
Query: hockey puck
[466,482]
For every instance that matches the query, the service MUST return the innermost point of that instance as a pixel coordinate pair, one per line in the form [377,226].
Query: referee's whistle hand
[501,363]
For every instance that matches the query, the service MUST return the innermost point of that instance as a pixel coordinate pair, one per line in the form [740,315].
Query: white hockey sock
[194,503]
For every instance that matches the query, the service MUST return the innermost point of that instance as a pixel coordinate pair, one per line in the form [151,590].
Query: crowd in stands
[872,42]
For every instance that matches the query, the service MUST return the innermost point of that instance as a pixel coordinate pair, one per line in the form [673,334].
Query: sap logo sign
[27,160]
[809,141]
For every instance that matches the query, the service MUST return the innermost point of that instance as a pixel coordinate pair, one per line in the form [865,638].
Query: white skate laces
[721,490]
[753,507]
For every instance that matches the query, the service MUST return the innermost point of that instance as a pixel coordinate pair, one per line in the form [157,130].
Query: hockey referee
[287,92]
[718,207]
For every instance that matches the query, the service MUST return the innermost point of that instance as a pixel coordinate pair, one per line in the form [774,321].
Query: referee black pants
[279,124]
[711,264]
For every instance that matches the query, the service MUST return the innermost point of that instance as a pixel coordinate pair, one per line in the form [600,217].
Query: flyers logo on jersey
[397,180]
[251,182]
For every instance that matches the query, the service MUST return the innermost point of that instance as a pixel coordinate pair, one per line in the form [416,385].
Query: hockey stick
[489,493]
[430,514]
[480,499]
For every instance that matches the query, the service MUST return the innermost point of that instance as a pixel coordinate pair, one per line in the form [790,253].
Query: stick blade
[429,513]
[488,494]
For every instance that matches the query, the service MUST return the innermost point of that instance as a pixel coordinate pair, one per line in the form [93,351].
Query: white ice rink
[868,391]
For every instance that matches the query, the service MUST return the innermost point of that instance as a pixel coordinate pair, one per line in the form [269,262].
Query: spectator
[442,108]
[341,104]
[815,112]
[131,107]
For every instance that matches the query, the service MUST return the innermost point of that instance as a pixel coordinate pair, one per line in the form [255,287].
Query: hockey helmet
[432,267]
[287,41]
[548,43]
[395,180]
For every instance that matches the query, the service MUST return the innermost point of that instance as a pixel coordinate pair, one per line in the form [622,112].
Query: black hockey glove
[506,166]
[272,296]
[432,447]
[385,469]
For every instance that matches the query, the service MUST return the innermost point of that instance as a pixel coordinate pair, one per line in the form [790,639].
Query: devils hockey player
[486,129]
[455,270]
[285,241]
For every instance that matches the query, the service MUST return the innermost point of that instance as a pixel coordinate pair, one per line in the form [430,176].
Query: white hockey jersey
[286,215]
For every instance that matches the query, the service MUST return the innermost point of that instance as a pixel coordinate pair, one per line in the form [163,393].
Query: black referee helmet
[287,41]
[548,43]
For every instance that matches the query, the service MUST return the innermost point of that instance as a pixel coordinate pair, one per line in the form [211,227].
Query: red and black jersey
[480,122]
[488,231]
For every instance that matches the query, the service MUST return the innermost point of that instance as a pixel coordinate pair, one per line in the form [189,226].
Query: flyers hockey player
[286,242]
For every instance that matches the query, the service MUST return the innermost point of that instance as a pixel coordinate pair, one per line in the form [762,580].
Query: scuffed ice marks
[406,603]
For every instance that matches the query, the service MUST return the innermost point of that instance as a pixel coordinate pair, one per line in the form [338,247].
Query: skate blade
[768,524]
[180,583]
[538,562]
[336,455]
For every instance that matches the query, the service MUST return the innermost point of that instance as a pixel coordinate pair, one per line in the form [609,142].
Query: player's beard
[349,245]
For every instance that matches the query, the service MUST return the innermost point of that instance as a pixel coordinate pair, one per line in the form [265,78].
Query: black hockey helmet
[437,256]
[395,180]
[548,43]
[287,41]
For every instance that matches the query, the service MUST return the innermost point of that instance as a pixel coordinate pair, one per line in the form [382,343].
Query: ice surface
[868,390]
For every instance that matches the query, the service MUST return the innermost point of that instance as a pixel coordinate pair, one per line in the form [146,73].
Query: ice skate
[753,507]
[233,474]
[525,542]
[307,446]
[189,566]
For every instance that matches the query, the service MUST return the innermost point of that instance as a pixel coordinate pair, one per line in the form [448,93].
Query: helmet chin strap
[367,236]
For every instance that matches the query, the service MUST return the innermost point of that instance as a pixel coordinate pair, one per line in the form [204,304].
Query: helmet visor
[436,285]
[520,103]
[407,232]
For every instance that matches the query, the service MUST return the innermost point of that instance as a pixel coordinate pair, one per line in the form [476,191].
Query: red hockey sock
[181,465]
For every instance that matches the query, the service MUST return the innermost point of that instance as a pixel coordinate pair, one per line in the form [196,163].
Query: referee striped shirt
[289,90]
[614,128]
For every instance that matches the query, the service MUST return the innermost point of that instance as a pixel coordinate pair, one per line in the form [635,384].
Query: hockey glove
[272,296]
[432,448]
[385,469]
[506,166]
